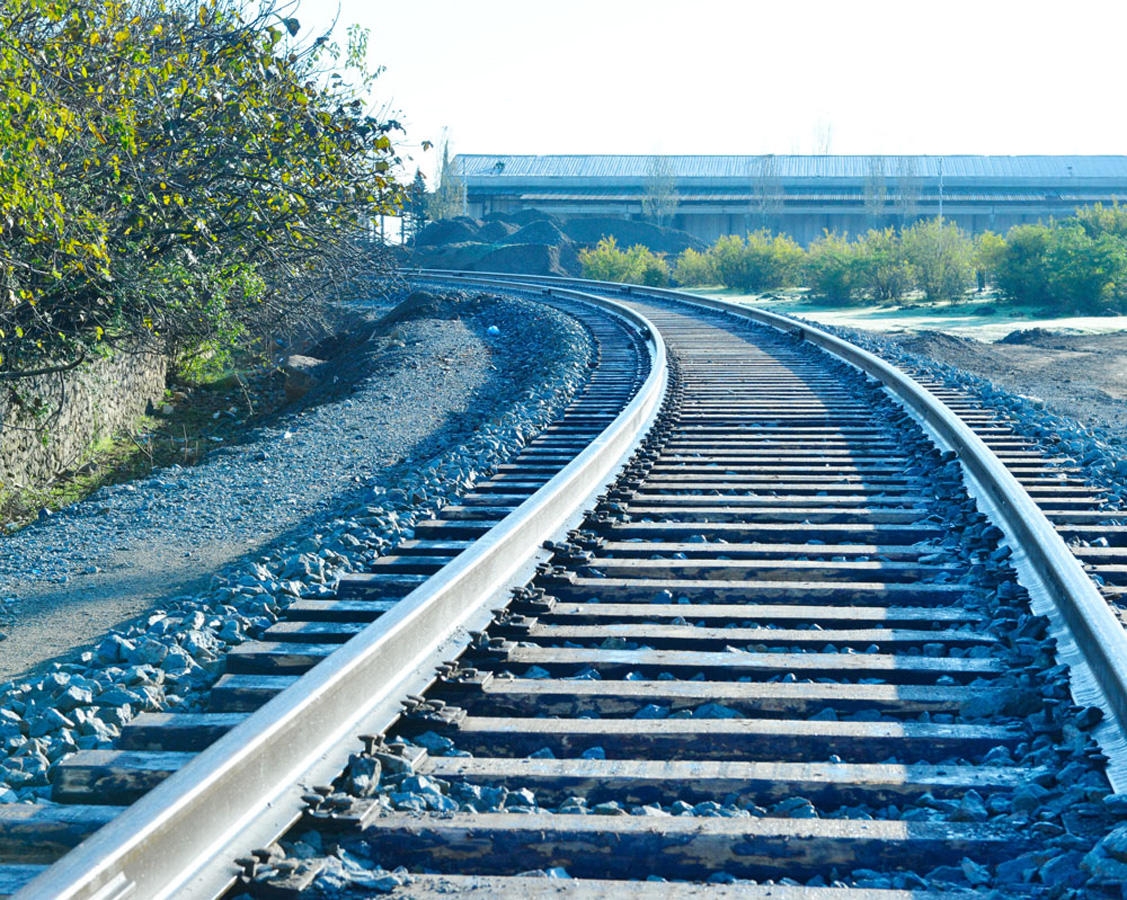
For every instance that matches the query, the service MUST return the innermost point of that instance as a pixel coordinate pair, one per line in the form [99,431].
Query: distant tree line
[1075,265]
[178,171]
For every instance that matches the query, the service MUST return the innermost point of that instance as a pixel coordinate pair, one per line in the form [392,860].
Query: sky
[730,77]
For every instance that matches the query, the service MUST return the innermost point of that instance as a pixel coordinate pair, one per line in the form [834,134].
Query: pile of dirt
[529,242]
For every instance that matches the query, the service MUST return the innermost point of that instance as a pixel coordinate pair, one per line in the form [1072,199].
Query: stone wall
[48,422]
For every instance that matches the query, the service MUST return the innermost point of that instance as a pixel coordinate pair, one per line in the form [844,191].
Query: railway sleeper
[568,586]
[752,570]
[684,848]
[441,887]
[693,637]
[755,550]
[246,693]
[811,740]
[480,691]
[38,834]
[550,608]
[734,663]
[746,532]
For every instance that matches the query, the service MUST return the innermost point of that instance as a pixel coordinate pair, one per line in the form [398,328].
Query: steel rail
[1100,639]
[245,789]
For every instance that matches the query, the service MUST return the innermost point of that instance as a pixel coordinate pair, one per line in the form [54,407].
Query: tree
[1086,274]
[1023,270]
[876,191]
[176,173]
[1099,219]
[766,191]
[940,257]
[761,262]
[659,198]
[908,186]
[989,250]
[449,199]
[415,208]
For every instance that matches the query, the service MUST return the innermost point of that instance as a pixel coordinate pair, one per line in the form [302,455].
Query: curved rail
[247,794]
[1100,638]
[245,788]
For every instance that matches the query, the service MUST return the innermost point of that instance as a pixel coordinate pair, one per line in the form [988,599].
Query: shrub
[883,271]
[638,265]
[833,267]
[1086,274]
[761,262]
[694,269]
[939,255]
[1022,271]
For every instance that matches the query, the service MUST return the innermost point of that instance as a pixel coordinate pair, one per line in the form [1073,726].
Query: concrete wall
[48,422]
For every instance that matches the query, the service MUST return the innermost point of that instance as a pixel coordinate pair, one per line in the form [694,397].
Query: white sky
[723,76]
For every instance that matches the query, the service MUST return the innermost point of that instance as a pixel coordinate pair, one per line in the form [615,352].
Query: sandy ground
[1082,376]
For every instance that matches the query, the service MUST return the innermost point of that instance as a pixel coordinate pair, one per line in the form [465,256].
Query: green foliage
[1087,274]
[883,271]
[177,171]
[638,265]
[834,268]
[940,256]
[1023,270]
[1099,219]
[761,262]
[989,251]
[1078,265]
[694,269]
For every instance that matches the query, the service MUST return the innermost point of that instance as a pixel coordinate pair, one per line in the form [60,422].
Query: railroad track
[783,654]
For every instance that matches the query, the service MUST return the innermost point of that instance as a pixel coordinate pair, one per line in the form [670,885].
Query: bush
[1023,272]
[883,272]
[638,265]
[833,268]
[761,262]
[694,269]
[940,256]
[1086,274]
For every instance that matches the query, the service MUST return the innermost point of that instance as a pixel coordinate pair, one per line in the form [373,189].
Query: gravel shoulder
[417,388]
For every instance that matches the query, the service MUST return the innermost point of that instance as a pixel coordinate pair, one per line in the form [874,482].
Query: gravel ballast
[199,559]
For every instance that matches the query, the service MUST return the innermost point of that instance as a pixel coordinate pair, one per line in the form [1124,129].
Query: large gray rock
[303,373]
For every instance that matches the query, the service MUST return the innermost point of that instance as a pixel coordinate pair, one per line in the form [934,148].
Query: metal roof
[501,167]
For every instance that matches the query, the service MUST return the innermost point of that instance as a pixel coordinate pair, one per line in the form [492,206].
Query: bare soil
[1081,376]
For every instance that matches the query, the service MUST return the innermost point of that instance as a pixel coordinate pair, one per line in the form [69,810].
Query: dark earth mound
[529,242]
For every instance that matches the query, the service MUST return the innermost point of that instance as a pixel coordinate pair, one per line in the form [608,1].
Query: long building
[710,196]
